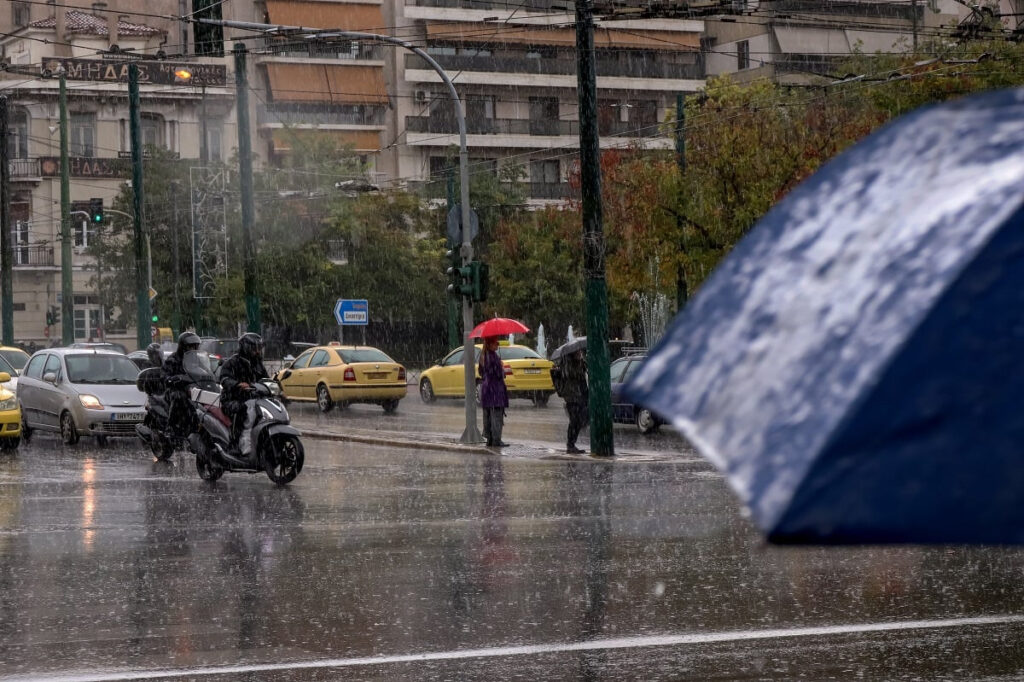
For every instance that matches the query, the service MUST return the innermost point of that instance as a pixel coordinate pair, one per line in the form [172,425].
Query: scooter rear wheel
[208,471]
[285,458]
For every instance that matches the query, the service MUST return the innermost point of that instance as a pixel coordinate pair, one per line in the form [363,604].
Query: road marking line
[527,650]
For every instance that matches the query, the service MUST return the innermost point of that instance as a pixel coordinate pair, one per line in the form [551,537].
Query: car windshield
[517,353]
[350,355]
[15,358]
[6,367]
[100,369]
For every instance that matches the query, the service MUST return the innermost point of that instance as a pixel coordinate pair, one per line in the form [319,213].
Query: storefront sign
[158,73]
[85,167]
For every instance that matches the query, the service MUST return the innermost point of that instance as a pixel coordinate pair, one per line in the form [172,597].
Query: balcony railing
[617,66]
[29,256]
[510,5]
[367,115]
[524,126]
[24,168]
[530,190]
[343,49]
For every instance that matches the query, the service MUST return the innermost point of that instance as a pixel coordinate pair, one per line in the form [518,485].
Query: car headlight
[9,404]
[90,402]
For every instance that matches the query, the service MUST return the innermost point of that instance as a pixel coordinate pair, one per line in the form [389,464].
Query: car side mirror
[50,378]
[285,374]
[4,377]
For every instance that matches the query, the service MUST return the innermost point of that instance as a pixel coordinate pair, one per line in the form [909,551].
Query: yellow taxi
[341,375]
[10,417]
[527,375]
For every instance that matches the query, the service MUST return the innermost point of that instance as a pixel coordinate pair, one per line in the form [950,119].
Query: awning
[284,139]
[336,83]
[458,32]
[886,42]
[821,41]
[340,15]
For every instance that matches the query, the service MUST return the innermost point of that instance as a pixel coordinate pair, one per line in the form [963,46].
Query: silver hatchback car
[78,392]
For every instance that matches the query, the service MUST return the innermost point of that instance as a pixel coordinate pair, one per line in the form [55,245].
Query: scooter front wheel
[208,471]
[285,459]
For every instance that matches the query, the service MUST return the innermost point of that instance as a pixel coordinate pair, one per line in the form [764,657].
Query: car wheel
[646,421]
[323,399]
[10,443]
[68,430]
[427,391]
[540,399]
[389,406]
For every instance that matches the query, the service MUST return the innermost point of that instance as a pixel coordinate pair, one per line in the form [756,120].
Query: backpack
[558,380]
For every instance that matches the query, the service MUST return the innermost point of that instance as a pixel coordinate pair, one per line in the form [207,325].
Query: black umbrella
[568,348]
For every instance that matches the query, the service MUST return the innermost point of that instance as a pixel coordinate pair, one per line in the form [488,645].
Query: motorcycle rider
[154,355]
[237,376]
[177,381]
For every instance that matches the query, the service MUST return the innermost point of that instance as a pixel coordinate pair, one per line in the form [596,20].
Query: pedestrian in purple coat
[493,394]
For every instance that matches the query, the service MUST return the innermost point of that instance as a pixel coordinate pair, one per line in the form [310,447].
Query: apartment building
[92,46]
[799,42]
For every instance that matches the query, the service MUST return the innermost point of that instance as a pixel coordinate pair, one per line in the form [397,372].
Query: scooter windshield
[197,365]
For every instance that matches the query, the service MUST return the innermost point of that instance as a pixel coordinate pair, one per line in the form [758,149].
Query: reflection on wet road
[382,563]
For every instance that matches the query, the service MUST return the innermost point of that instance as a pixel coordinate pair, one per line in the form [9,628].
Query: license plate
[531,371]
[128,416]
[377,375]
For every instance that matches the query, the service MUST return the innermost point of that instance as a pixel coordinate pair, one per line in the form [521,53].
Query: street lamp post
[471,433]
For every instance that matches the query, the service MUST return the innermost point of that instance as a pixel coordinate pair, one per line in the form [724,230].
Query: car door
[450,377]
[293,386]
[52,392]
[29,389]
[621,410]
[316,370]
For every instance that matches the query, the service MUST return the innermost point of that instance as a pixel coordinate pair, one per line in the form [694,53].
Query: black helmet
[187,341]
[250,346]
[156,358]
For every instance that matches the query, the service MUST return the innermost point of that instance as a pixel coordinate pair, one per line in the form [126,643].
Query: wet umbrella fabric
[856,365]
[498,326]
[568,348]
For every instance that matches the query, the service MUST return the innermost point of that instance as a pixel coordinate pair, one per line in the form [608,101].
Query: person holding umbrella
[576,394]
[493,393]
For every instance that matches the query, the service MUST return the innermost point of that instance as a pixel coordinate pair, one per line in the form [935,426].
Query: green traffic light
[156,318]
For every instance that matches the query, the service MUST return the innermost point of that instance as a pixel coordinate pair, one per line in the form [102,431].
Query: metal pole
[252,298]
[913,19]
[452,301]
[143,318]
[204,150]
[176,255]
[6,248]
[682,289]
[598,361]
[472,433]
[67,322]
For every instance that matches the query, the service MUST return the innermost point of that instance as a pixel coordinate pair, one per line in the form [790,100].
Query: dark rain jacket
[493,392]
[237,370]
[574,381]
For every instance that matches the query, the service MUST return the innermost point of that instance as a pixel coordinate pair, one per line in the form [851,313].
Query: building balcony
[22,169]
[510,5]
[525,126]
[310,49]
[33,256]
[319,115]
[536,191]
[619,65]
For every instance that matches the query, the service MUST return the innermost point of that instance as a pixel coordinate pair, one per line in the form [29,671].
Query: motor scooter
[277,448]
[156,429]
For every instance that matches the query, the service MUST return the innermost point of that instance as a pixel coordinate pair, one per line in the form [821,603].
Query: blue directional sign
[352,311]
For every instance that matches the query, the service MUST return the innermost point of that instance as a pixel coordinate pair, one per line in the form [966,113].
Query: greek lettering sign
[352,311]
[85,167]
[158,73]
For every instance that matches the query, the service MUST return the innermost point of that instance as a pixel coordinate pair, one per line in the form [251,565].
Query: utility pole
[6,252]
[67,321]
[682,290]
[143,318]
[176,256]
[252,298]
[913,19]
[598,361]
[454,337]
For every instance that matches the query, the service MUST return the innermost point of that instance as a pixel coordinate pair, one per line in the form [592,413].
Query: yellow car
[10,417]
[341,375]
[527,375]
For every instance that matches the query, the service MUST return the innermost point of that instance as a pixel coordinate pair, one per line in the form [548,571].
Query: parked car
[342,375]
[527,375]
[219,349]
[623,411]
[80,392]
[10,416]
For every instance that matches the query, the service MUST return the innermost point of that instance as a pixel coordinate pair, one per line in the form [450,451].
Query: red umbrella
[498,326]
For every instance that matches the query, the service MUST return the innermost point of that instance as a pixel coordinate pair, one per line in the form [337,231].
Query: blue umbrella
[856,365]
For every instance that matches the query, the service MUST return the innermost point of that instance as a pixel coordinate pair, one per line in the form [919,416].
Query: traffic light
[471,280]
[52,316]
[49,318]
[96,211]
[152,309]
[454,273]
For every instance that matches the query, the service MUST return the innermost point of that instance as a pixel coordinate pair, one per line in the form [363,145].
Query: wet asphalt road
[386,563]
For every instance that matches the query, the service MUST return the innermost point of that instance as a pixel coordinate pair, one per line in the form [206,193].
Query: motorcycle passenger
[237,376]
[154,355]
[177,381]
